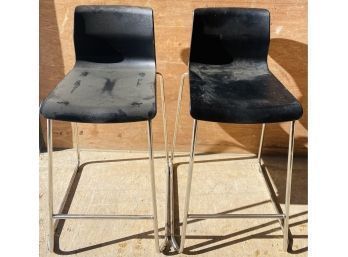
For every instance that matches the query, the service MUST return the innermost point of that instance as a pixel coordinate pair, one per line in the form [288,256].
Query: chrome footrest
[100,216]
[238,216]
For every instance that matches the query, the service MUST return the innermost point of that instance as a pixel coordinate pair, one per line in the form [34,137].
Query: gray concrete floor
[113,183]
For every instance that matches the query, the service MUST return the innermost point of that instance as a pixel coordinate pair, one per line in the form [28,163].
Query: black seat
[114,77]
[229,76]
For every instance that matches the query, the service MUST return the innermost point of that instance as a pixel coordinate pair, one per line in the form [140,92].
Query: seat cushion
[104,93]
[243,91]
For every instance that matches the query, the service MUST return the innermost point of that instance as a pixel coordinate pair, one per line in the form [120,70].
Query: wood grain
[173,23]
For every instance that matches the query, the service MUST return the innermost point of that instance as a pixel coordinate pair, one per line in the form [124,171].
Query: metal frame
[54,217]
[170,240]
[169,236]
[282,217]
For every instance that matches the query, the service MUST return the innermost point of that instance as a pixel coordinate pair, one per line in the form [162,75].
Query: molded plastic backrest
[111,34]
[220,35]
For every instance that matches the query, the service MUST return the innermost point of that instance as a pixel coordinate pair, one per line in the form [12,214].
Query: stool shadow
[276,172]
[70,196]
[68,202]
[211,239]
[278,175]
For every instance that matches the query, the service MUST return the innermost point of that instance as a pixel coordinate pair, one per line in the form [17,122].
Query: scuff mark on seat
[63,102]
[109,85]
[76,85]
[84,74]
[139,82]
[137,104]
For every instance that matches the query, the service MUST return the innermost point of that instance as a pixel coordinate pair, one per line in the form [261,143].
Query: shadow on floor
[277,173]
[275,178]
[211,239]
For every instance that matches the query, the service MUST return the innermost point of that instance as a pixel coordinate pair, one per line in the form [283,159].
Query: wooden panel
[173,23]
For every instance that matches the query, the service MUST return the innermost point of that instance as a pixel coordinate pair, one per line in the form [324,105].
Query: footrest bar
[98,216]
[229,216]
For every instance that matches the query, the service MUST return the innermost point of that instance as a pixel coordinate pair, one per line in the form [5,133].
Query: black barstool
[230,82]
[113,81]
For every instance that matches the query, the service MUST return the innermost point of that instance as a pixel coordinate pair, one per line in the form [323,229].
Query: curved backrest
[111,34]
[220,35]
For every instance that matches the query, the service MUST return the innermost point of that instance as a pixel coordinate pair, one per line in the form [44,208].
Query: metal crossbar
[238,216]
[101,216]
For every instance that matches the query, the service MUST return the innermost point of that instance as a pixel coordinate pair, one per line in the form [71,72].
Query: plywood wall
[173,23]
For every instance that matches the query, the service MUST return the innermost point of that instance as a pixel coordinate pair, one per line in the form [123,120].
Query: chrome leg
[50,188]
[261,142]
[188,187]
[164,116]
[171,161]
[169,227]
[153,188]
[76,135]
[72,178]
[172,216]
[288,186]
[166,242]
[169,239]
[167,209]
[275,190]
[177,117]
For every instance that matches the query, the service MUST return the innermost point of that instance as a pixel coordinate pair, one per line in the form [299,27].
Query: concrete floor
[116,185]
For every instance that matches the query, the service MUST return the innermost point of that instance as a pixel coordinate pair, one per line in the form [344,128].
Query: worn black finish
[229,76]
[114,76]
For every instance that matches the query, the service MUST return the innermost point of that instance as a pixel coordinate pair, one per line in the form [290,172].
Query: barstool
[113,81]
[230,82]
